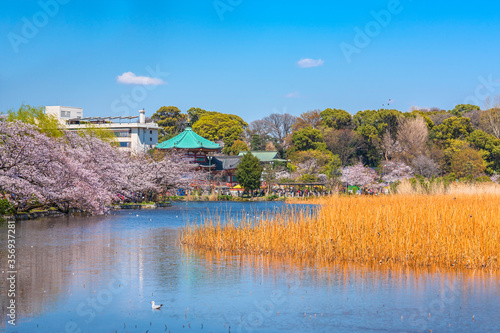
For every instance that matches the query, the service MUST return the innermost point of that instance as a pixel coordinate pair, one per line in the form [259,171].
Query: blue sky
[243,57]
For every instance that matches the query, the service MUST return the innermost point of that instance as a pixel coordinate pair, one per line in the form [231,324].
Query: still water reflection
[99,274]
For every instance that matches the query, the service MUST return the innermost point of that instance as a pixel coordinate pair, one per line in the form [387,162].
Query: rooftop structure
[264,156]
[64,113]
[189,140]
[134,137]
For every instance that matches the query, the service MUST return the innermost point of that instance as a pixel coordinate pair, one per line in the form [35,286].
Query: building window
[150,132]
[122,134]
[125,144]
[150,139]
[65,114]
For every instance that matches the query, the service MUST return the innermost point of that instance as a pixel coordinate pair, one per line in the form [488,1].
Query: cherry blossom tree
[395,171]
[358,175]
[495,178]
[79,171]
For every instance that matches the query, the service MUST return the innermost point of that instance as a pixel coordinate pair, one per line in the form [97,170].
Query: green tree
[372,125]
[332,169]
[311,161]
[171,121]
[454,128]
[194,114]
[308,138]
[382,120]
[220,126]
[336,118]
[51,126]
[237,147]
[425,115]
[48,124]
[489,145]
[257,142]
[467,162]
[249,172]
[460,109]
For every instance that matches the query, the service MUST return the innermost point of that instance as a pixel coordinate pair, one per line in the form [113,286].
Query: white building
[138,136]
[64,113]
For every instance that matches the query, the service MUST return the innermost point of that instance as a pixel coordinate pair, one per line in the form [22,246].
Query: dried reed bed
[454,188]
[461,230]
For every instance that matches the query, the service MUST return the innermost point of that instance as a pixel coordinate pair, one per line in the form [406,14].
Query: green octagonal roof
[188,140]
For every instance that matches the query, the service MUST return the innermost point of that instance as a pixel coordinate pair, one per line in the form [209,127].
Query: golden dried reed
[405,187]
[417,230]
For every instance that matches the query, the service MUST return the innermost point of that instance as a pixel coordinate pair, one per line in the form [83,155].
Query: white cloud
[131,78]
[307,63]
[294,94]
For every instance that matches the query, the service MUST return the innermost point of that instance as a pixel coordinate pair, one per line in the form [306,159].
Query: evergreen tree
[249,172]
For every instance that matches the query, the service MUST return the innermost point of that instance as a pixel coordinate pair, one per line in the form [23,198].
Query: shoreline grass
[443,230]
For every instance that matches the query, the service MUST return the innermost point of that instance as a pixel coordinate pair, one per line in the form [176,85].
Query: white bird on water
[154,306]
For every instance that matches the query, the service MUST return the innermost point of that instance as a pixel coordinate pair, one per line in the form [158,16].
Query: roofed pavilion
[193,144]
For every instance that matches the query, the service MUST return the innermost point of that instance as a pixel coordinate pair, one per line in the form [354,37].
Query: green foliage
[98,132]
[174,198]
[249,172]
[429,184]
[312,161]
[285,180]
[332,169]
[306,178]
[379,120]
[224,197]
[237,147]
[170,120]
[48,124]
[336,118]
[308,138]
[452,128]
[424,115]
[220,126]
[483,179]
[6,207]
[372,125]
[460,109]
[467,162]
[489,146]
[272,197]
[257,143]
[194,114]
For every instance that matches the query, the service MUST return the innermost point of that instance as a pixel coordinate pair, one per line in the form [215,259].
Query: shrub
[272,197]
[483,179]
[6,207]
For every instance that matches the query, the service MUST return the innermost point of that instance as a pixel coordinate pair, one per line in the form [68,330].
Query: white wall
[64,113]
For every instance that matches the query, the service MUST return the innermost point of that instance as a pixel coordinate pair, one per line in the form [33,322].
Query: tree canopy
[336,118]
[249,172]
[460,109]
[170,120]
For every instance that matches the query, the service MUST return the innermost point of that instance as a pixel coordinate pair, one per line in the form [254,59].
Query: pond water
[99,274]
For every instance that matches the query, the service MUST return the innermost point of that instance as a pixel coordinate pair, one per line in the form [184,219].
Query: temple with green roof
[193,144]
